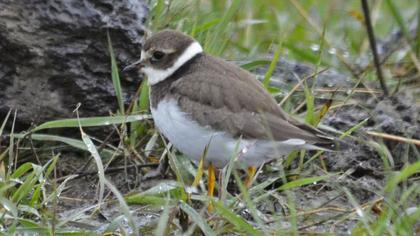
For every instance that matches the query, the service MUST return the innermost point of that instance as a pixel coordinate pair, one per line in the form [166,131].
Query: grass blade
[4,122]
[115,76]
[402,175]
[214,45]
[235,220]
[89,122]
[197,218]
[273,65]
[398,18]
[123,206]
[55,138]
[98,160]
[254,64]
[162,227]
[302,182]
[47,137]
[310,105]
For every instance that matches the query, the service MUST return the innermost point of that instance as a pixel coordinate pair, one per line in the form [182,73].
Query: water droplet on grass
[359,212]
[332,51]
[315,47]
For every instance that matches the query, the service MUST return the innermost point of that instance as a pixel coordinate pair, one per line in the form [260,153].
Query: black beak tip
[132,72]
[131,67]
[128,68]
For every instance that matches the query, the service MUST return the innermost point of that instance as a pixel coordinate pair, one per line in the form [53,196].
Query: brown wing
[225,97]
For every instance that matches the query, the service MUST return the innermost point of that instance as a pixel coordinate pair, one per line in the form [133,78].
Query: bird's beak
[136,65]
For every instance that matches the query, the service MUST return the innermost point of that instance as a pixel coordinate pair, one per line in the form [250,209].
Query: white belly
[191,139]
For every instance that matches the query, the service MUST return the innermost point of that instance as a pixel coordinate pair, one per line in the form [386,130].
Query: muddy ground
[361,172]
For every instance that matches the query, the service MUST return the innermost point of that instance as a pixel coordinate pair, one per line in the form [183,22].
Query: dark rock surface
[54,54]
[396,115]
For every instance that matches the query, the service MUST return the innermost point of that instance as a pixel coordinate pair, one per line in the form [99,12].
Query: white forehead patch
[157,75]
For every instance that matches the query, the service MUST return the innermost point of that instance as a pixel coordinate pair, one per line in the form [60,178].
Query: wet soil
[361,170]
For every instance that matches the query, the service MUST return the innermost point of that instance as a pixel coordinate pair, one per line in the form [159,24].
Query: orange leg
[211,182]
[250,176]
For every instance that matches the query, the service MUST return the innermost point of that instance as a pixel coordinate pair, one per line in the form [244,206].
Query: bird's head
[164,53]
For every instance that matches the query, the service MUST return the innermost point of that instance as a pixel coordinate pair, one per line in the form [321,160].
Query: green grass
[327,35]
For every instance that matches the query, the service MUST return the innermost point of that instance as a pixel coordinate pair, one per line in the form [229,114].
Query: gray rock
[54,54]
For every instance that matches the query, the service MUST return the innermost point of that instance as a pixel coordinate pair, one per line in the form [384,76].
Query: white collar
[157,75]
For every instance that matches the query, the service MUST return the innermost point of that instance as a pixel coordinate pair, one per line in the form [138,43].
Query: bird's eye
[157,56]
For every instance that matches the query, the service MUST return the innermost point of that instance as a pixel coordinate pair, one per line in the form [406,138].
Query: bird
[202,103]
